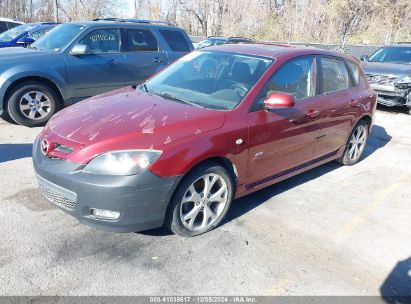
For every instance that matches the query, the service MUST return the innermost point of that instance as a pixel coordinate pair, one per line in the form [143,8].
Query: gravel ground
[331,231]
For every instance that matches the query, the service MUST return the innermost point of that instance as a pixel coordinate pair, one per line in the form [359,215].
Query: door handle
[112,61]
[157,60]
[313,113]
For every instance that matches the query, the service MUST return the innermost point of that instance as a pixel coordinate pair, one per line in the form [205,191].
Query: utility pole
[56,11]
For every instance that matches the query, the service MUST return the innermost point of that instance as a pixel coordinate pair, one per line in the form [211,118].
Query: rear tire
[201,201]
[355,144]
[32,103]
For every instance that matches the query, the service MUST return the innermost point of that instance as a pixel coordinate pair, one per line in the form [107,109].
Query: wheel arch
[40,79]
[217,160]
[368,119]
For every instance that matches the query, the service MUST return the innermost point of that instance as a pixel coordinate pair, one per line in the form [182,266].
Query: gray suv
[389,73]
[81,59]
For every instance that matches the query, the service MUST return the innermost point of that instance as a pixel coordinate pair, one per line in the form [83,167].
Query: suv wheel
[355,145]
[201,201]
[32,103]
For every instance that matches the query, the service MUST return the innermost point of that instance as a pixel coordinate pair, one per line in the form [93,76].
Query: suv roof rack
[135,21]
[234,37]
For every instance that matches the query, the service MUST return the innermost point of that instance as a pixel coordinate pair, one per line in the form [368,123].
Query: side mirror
[79,49]
[25,41]
[279,101]
[364,57]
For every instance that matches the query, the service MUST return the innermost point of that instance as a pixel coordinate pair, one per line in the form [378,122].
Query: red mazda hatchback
[215,125]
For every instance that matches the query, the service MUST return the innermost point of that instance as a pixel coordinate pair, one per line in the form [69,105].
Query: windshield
[401,55]
[13,33]
[59,37]
[214,80]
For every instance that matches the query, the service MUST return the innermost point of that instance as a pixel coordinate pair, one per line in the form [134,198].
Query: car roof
[42,23]
[123,24]
[273,50]
[11,20]
[405,44]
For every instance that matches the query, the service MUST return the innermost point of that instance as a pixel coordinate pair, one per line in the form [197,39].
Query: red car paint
[313,132]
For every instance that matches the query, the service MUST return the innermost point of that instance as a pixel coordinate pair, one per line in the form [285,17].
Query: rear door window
[139,40]
[176,40]
[334,75]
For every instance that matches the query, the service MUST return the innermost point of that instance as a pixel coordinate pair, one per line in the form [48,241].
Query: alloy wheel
[204,202]
[357,142]
[35,105]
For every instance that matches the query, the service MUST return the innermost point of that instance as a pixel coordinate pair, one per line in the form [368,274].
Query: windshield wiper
[141,84]
[178,99]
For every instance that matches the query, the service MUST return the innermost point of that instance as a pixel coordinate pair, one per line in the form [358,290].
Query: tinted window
[355,70]
[141,41]
[12,24]
[102,41]
[175,40]
[235,41]
[334,75]
[294,77]
[3,27]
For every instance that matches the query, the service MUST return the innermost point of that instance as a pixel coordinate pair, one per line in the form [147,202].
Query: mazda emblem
[44,146]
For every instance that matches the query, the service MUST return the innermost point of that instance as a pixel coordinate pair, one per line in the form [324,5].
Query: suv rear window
[176,40]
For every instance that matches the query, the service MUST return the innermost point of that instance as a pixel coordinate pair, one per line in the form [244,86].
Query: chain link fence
[356,50]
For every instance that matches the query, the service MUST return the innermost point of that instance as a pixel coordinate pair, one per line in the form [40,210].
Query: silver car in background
[388,71]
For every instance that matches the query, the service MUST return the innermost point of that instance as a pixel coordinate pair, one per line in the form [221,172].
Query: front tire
[32,103]
[355,145]
[201,201]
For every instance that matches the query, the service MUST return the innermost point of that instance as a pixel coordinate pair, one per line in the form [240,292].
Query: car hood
[18,53]
[384,68]
[127,119]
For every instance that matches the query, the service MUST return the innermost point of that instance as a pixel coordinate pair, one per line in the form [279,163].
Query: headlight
[403,82]
[122,162]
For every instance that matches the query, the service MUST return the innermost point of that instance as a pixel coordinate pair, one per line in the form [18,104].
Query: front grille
[381,79]
[57,195]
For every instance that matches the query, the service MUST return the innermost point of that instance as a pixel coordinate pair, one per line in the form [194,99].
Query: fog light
[105,214]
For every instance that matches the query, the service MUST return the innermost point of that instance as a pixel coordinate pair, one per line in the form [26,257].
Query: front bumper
[141,199]
[395,97]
